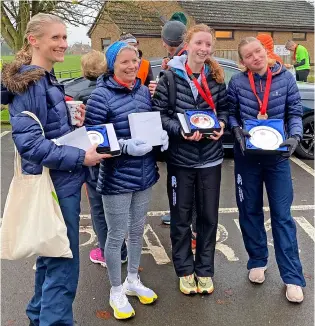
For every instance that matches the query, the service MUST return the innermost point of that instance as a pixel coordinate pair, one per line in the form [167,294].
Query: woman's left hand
[81,115]
[217,135]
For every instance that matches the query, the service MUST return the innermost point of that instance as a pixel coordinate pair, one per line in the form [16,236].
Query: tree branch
[7,36]
[8,26]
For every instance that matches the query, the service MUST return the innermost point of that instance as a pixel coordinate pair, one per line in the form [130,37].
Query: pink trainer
[97,258]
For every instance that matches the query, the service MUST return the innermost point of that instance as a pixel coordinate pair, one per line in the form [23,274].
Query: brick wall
[152,47]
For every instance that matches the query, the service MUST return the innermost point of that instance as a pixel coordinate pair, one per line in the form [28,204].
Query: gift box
[266,136]
[105,137]
[204,121]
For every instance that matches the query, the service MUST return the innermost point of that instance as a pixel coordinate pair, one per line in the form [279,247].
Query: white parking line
[306,226]
[4,133]
[303,165]
[221,210]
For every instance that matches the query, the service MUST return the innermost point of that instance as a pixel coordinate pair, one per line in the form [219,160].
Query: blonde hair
[35,27]
[217,71]
[93,64]
[250,39]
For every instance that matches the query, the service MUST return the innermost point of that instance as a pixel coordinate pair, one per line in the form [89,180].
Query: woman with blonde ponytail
[261,96]
[31,87]
[194,163]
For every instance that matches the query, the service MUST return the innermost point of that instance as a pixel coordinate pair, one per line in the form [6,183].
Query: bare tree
[16,14]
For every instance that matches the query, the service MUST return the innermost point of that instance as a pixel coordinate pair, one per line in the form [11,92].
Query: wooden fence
[68,73]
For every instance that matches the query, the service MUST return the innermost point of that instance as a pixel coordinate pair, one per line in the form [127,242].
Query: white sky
[78,34]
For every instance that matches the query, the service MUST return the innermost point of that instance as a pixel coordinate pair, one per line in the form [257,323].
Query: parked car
[304,150]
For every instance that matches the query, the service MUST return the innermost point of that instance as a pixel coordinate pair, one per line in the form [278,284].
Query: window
[105,43]
[297,36]
[224,35]
[265,32]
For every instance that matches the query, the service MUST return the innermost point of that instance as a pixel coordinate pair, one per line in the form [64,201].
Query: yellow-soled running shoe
[136,288]
[205,285]
[121,306]
[187,284]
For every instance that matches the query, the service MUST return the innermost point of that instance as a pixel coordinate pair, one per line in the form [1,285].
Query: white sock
[132,276]
[116,289]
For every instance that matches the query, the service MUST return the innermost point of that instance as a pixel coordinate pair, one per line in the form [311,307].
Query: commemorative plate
[202,121]
[265,137]
[95,137]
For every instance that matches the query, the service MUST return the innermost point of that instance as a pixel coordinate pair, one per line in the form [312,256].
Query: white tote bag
[32,220]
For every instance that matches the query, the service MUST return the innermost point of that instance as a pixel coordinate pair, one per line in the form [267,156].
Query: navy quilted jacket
[33,89]
[284,99]
[111,103]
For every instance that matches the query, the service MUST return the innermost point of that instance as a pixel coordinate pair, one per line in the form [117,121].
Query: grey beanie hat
[173,33]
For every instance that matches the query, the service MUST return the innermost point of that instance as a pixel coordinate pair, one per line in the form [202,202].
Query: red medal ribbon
[205,94]
[262,105]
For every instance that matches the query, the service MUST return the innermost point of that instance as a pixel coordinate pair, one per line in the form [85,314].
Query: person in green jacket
[301,58]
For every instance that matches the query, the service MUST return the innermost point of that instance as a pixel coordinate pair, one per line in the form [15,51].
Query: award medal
[202,121]
[265,137]
[262,115]
[96,137]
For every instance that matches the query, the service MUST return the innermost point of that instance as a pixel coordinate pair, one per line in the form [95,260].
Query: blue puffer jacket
[284,99]
[35,90]
[111,103]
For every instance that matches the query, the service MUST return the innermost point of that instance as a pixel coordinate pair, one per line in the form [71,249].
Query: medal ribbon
[262,105]
[205,94]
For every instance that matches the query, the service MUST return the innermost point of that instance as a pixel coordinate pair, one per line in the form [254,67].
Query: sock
[116,289]
[132,276]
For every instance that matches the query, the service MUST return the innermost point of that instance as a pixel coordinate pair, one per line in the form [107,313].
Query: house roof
[283,15]
[131,18]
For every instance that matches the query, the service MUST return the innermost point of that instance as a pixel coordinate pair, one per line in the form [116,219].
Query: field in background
[72,62]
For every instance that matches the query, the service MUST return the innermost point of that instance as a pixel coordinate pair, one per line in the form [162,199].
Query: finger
[214,137]
[199,137]
[80,108]
[93,148]
[103,156]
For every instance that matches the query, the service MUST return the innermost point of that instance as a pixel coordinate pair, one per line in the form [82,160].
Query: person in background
[145,71]
[301,58]
[35,89]
[173,41]
[253,170]
[172,34]
[267,41]
[125,182]
[194,163]
[93,65]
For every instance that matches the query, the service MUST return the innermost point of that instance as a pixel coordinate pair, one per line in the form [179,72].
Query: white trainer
[121,306]
[294,293]
[257,275]
[136,288]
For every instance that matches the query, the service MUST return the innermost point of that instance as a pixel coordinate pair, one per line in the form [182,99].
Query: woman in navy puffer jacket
[126,181]
[252,170]
[33,88]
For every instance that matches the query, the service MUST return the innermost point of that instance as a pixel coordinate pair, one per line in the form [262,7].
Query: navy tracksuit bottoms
[251,172]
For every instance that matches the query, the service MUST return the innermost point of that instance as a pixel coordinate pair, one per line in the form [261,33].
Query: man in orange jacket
[145,71]
[267,41]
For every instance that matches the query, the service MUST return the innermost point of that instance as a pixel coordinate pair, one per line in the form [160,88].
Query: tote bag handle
[17,157]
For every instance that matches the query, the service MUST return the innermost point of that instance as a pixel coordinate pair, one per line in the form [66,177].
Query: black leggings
[182,183]
[301,75]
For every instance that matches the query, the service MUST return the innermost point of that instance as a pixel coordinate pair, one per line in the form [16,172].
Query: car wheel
[306,147]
